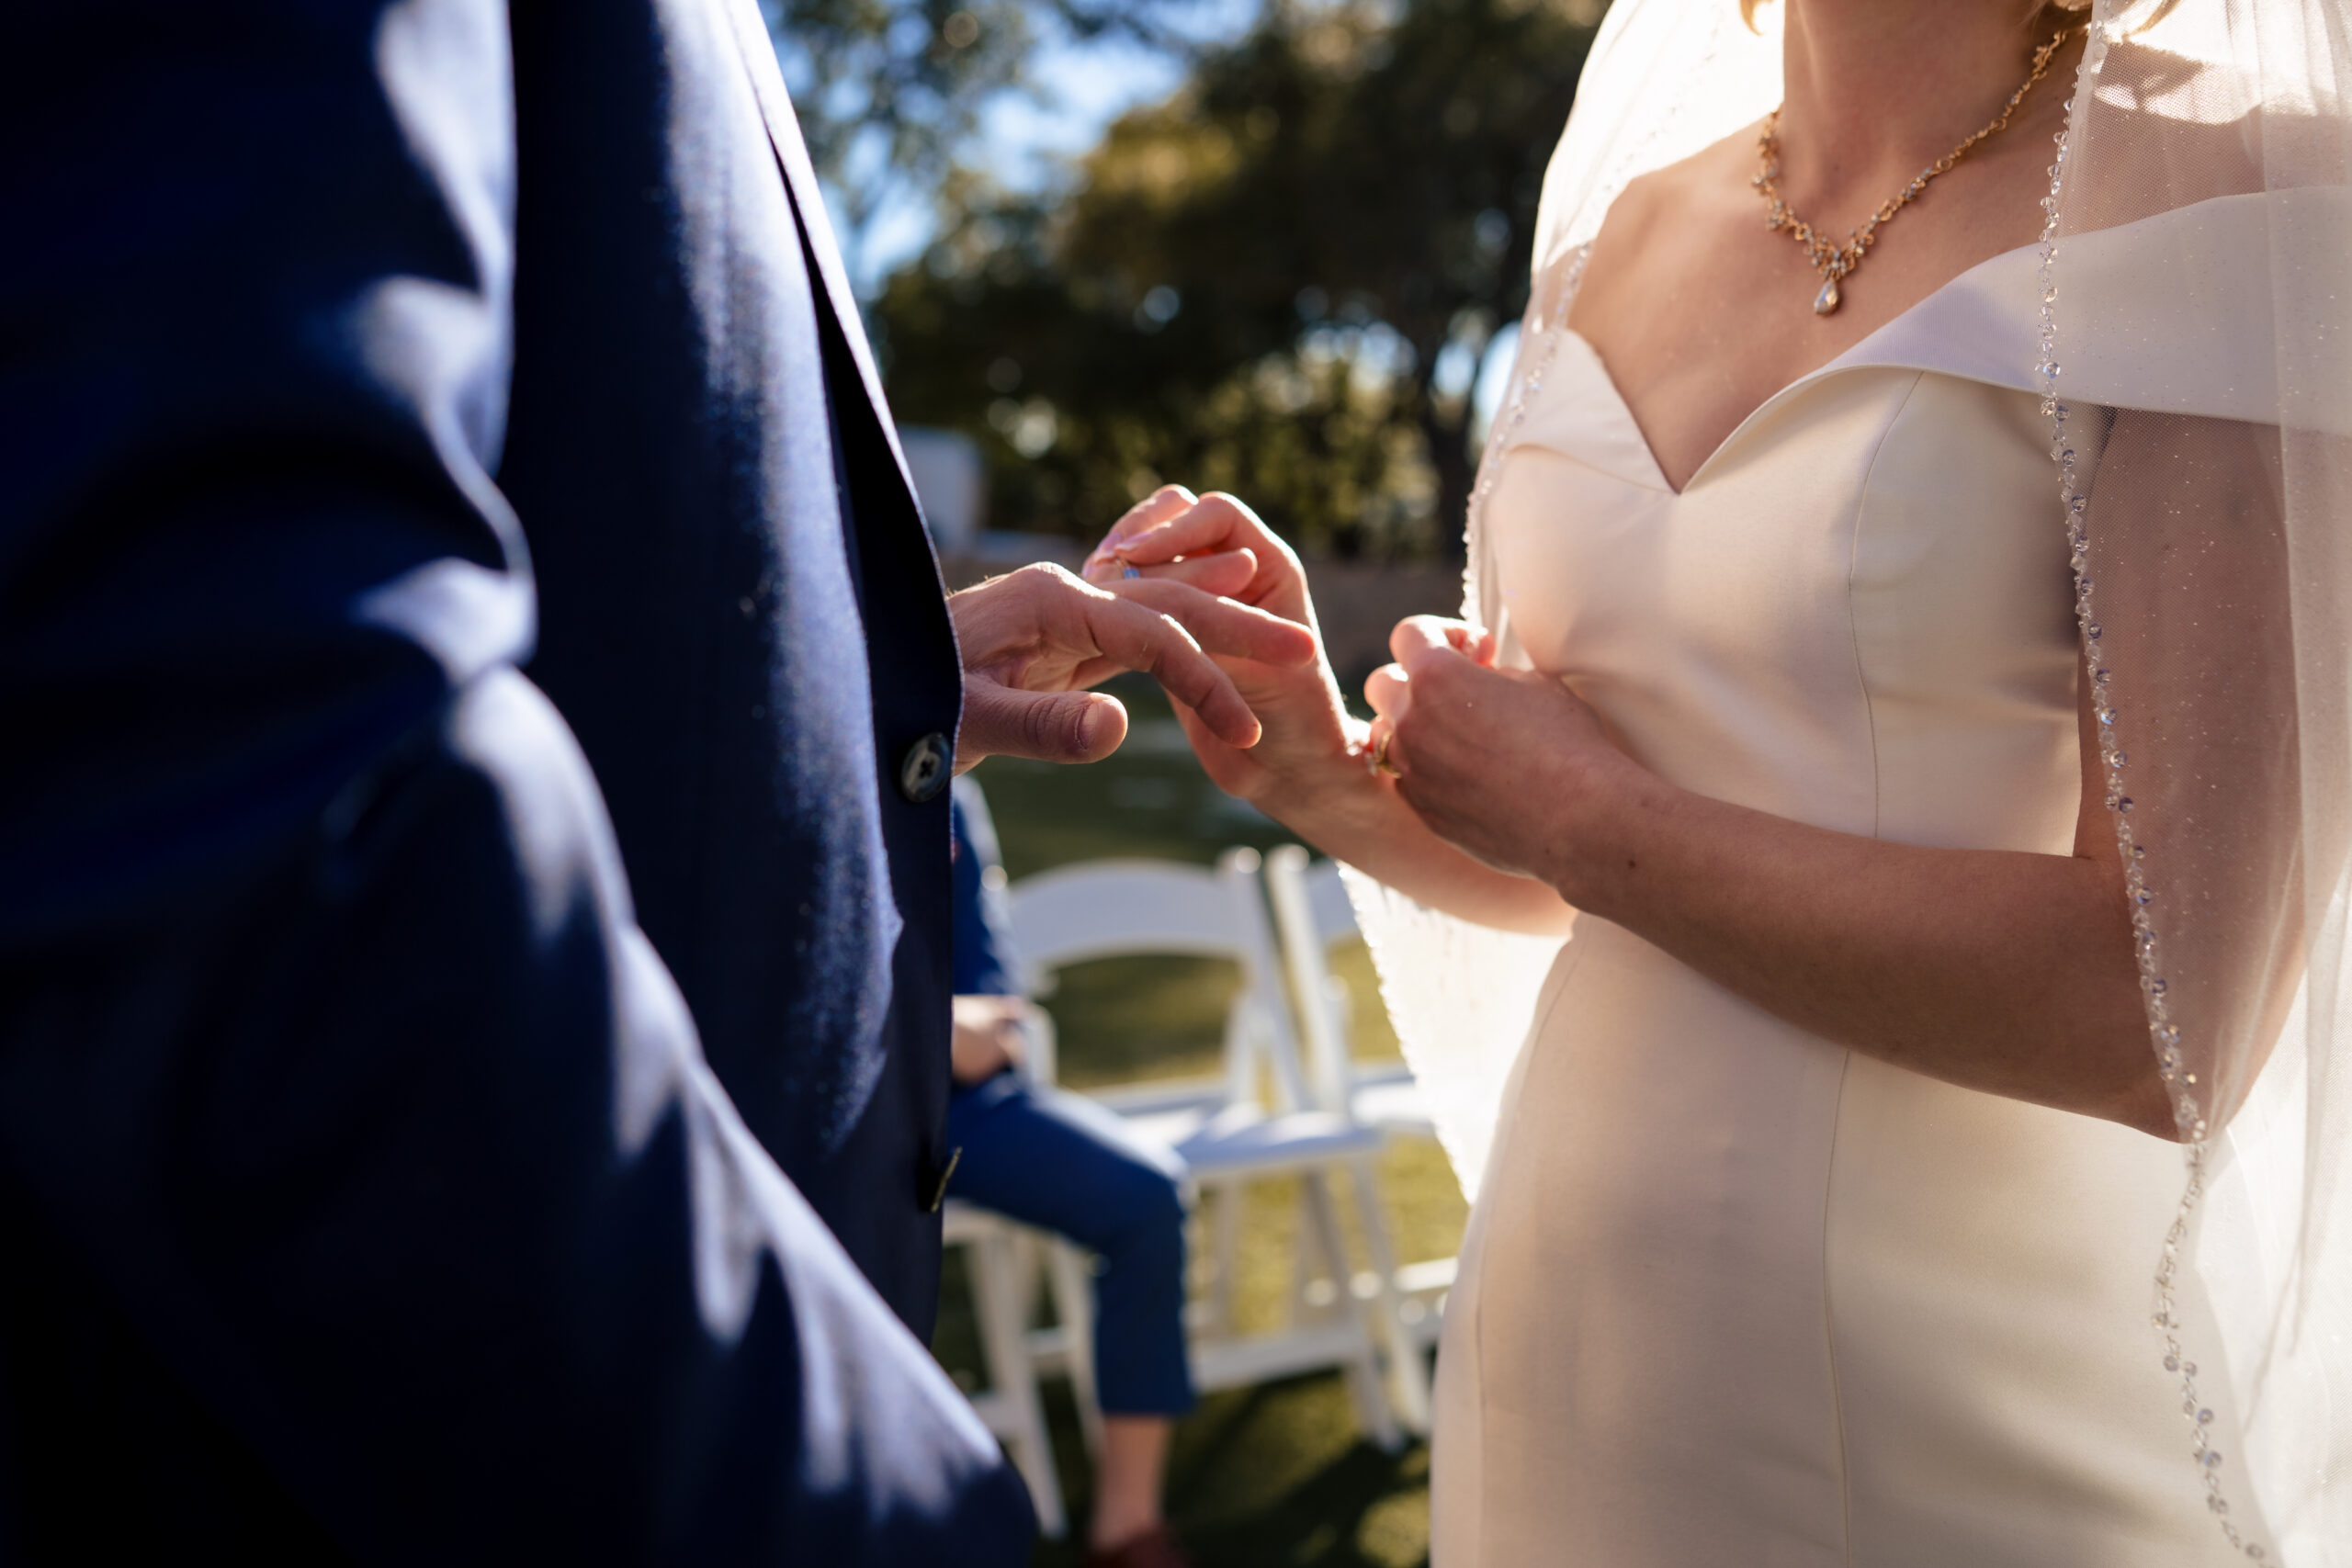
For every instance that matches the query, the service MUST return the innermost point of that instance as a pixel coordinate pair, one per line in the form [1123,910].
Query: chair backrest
[1314,915]
[1119,908]
[1113,908]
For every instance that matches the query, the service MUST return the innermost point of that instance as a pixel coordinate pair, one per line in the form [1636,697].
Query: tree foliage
[1280,281]
[886,90]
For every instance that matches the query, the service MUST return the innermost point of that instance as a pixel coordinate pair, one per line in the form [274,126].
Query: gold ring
[1110,556]
[1380,762]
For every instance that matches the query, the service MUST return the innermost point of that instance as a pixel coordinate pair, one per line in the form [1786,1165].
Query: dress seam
[1845,1068]
[1853,628]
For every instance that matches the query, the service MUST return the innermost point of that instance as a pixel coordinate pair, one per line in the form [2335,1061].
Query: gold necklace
[1831,262]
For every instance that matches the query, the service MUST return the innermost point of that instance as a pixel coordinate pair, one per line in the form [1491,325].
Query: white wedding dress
[1732,1295]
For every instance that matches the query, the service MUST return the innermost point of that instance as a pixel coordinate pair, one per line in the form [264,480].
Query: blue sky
[1024,140]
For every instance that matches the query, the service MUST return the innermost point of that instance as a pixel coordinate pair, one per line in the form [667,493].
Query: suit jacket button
[923,770]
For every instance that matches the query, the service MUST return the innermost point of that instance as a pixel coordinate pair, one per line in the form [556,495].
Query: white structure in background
[1230,1131]
[1315,918]
[950,481]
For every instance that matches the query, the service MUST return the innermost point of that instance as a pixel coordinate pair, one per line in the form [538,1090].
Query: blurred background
[1272,246]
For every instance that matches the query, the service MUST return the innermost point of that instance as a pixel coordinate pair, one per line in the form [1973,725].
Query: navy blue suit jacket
[367,1187]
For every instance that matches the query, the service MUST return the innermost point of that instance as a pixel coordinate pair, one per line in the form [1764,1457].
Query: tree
[1280,281]
[887,89]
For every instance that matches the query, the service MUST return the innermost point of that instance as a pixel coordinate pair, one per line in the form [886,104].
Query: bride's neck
[1876,89]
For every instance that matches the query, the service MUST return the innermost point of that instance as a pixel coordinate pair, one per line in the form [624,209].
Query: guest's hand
[987,1037]
[1506,764]
[1309,743]
[1033,640]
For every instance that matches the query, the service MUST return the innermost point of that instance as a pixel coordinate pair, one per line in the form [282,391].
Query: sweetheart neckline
[1860,356]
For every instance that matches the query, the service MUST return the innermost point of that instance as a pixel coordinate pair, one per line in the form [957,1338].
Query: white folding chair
[1314,916]
[1002,1260]
[1227,1131]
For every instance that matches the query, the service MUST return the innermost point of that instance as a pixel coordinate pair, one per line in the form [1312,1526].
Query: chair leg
[997,1292]
[1302,1254]
[1073,1288]
[1364,1368]
[1408,1375]
[1025,1268]
[1228,1242]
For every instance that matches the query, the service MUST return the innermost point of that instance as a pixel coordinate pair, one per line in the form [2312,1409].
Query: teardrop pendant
[1825,302]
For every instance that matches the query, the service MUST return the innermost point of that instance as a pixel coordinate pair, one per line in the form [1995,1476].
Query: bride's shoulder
[1682,193]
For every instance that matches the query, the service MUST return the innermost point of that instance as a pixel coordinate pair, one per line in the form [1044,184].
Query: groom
[447,1114]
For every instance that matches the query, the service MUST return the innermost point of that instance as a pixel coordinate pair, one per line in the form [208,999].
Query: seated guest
[1062,1163]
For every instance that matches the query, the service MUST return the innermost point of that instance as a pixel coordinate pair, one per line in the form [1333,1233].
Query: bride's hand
[1500,762]
[1218,544]
[1227,572]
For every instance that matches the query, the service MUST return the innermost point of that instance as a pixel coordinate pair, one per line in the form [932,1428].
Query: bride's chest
[1875,527]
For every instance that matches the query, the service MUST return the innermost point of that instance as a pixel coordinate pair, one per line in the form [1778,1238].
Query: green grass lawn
[1270,1476]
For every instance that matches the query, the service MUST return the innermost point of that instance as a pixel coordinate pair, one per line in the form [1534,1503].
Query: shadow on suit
[368,1183]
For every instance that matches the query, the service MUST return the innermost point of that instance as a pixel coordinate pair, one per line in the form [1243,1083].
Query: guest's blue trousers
[1063,1164]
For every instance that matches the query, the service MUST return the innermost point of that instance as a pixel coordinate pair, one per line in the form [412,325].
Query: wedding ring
[1378,756]
[1106,556]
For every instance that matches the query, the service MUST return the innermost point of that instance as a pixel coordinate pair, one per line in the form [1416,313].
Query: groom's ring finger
[1383,735]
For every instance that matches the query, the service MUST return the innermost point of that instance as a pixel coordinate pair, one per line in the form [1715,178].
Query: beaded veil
[2197,356]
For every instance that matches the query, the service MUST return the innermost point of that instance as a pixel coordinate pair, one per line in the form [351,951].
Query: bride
[1886,802]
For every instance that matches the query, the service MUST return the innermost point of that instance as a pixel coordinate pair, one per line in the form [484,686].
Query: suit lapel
[800,179]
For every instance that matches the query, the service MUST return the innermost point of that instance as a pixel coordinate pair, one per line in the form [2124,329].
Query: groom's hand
[1033,640]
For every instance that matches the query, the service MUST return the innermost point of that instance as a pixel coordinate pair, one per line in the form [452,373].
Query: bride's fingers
[1223,572]
[1474,642]
[1167,501]
[1389,692]
[1216,522]
[1418,636]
